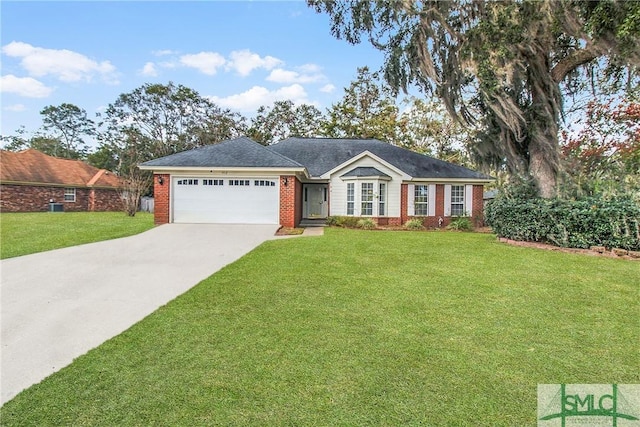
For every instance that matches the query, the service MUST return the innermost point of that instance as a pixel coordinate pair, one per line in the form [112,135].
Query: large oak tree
[504,66]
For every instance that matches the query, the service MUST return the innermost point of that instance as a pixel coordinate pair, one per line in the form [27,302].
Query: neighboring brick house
[240,181]
[30,180]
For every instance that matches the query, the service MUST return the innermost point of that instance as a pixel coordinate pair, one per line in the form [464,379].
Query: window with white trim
[366,198]
[263,183]
[457,200]
[212,182]
[351,198]
[421,200]
[69,194]
[187,182]
[382,198]
[239,182]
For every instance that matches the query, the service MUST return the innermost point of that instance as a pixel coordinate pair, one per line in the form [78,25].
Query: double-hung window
[69,194]
[457,200]
[366,198]
[351,198]
[421,200]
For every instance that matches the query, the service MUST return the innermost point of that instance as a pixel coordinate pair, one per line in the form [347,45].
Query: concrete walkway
[58,305]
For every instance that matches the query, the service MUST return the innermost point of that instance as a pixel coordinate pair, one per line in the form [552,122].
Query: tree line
[162,119]
[503,73]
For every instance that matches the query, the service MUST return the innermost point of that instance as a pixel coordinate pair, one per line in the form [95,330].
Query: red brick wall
[290,201]
[404,189]
[477,211]
[32,198]
[298,206]
[434,221]
[439,201]
[161,193]
[105,200]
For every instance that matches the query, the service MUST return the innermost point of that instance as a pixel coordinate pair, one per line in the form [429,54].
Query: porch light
[286,181]
[160,180]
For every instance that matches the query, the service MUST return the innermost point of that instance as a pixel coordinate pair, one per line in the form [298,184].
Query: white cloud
[280,75]
[16,108]
[253,98]
[328,88]
[168,64]
[24,86]
[309,68]
[149,69]
[245,61]
[164,52]
[64,64]
[205,62]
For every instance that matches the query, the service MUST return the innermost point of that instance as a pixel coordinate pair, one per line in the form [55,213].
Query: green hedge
[613,223]
[343,221]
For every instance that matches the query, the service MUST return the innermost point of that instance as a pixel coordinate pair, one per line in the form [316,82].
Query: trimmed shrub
[594,221]
[332,220]
[366,224]
[414,224]
[343,221]
[460,223]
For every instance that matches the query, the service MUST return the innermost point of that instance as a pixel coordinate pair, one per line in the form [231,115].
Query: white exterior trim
[327,175]
[366,178]
[411,194]
[468,200]
[431,205]
[452,180]
[447,200]
[234,171]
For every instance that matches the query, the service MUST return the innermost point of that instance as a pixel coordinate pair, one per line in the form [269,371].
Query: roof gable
[34,167]
[364,172]
[321,155]
[360,159]
[238,152]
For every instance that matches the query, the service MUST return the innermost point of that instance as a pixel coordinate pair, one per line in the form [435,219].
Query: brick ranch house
[240,181]
[30,180]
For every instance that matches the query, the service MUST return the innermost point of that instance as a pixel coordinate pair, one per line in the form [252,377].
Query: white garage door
[226,201]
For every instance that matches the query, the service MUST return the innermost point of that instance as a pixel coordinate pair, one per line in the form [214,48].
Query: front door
[316,200]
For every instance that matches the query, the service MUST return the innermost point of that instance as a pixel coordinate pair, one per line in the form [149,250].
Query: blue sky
[241,54]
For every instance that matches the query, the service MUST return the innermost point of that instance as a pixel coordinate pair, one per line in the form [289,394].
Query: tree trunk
[543,119]
[542,169]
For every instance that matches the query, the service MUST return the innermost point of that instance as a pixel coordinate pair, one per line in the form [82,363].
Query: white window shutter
[411,207]
[432,200]
[447,200]
[468,200]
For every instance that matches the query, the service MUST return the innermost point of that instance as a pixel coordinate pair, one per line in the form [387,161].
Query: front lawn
[360,328]
[27,233]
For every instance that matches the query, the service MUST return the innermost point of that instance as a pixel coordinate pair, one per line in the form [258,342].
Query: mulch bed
[608,254]
[285,231]
[288,231]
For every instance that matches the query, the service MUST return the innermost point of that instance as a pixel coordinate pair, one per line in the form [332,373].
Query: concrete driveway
[58,305]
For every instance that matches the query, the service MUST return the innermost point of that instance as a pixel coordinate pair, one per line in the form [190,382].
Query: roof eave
[235,169]
[58,184]
[448,180]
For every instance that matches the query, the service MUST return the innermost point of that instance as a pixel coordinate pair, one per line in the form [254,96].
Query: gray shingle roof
[320,155]
[317,155]
[365,171]
[239,152]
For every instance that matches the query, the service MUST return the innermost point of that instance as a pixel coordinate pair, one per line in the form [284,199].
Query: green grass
[359,328]
[27,233]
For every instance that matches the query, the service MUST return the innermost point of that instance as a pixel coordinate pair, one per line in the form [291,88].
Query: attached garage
[228,200]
